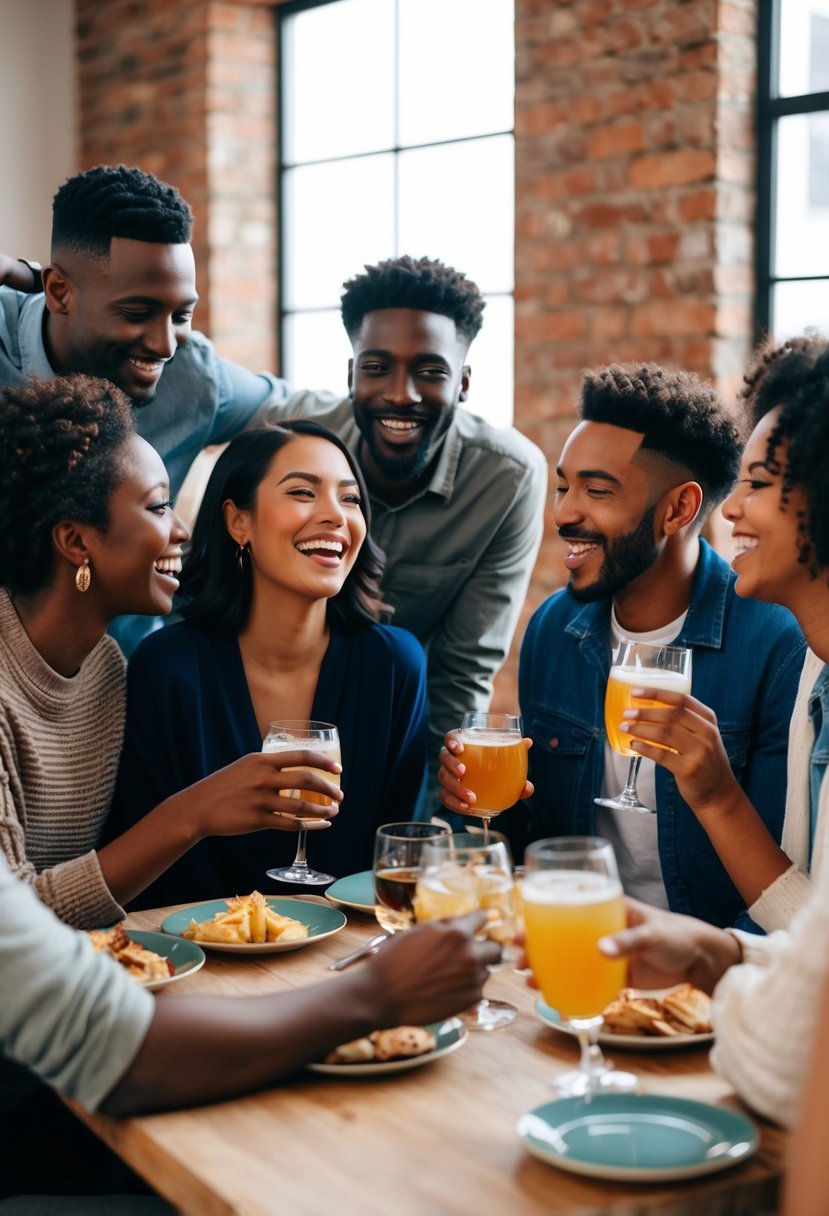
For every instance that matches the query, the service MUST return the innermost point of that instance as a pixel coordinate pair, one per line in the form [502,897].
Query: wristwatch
[35,268]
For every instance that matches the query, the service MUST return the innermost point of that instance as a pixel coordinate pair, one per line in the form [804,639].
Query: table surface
[439,1139]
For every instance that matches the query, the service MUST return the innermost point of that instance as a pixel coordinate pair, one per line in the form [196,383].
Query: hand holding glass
[495,762]
[572,897]
[321,737]
[637,665]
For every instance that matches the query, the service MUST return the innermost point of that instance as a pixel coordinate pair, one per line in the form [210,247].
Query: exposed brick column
[187,91]
[634,201]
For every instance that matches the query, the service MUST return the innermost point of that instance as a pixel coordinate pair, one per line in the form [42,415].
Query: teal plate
[636,1042]
[450,1035]
[355,891]
[185,956]
[638,1137]
[321,921]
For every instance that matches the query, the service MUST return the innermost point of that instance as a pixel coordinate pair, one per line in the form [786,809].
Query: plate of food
[152,959]
[354,891]
[255,923]
[649,1020]
[638,1137]
[395,1050]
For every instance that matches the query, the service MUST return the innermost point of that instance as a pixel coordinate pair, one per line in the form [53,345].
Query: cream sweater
[765,1011]
[60,742]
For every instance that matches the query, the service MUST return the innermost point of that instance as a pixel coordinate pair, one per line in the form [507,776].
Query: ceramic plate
[321,920]
[450,1036]
[356,891]
[637,1042]
[638,1137]
[186,957]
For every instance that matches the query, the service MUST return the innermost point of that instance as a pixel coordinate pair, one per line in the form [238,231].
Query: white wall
[38,123]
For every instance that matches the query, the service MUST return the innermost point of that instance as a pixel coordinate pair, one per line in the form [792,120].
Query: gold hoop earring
[241,553]
[83,576]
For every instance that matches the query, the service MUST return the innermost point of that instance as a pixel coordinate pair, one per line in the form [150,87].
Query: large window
[793,228]
[397,120]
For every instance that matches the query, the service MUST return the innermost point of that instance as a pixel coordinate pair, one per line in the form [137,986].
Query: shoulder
[555,611]
[503,445]
[393,644]
[328,409]
[169,650]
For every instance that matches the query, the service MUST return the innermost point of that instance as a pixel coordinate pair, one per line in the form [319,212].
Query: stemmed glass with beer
[462,873]
[495,761]
[639,665]
[320,737]
[572,897]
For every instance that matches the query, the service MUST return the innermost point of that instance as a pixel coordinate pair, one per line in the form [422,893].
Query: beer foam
[569,888]
[489,738]
[651,677]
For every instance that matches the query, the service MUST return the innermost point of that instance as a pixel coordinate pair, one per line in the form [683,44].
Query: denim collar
[705,621]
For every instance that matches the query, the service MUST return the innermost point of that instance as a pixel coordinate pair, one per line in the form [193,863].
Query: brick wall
[634,176]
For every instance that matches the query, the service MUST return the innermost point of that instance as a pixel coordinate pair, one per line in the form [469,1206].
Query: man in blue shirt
[654,453]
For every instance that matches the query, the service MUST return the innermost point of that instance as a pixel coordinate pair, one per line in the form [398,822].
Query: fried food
[142,964]
[249,920]
[398,1043]
[685,1010]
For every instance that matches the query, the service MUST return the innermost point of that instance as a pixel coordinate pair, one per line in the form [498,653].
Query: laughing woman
[280,623]
[87,532]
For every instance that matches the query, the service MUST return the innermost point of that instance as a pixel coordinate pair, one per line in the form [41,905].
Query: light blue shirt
[819,716]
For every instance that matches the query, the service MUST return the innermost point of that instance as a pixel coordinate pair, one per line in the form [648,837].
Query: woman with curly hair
[87,532]
[281,593]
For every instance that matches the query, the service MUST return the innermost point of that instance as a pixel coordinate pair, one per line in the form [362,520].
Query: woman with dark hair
[282,590]
[87,532]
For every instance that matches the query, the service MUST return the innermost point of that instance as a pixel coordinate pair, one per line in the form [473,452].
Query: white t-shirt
[633,834]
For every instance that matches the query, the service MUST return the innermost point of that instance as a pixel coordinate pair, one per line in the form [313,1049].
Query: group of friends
[363,560]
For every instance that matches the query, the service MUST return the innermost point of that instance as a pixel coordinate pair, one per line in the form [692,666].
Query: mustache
[576,534]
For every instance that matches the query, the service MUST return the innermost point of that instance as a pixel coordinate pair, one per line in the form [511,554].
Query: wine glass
[397,849]
[572,897]
[495,760]
[459,874]
[637,665]
[320,737]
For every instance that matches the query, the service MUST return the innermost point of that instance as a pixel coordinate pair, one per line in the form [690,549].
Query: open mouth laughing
[325,550]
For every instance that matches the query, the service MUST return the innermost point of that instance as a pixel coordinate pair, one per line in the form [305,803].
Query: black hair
[794,375]
[60,450]
[117,201]
[420,283]
[679,416]
[219,589]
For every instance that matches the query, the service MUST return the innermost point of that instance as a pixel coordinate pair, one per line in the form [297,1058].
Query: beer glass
[397,850]
[288,737]
[495,759]
[572,897]
[637,665]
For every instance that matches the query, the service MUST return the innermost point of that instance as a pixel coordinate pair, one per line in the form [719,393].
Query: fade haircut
[681,419]
[116,201]
[794,375]
[420,283]
[61,444]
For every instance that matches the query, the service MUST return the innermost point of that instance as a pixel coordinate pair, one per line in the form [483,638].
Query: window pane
[491,360]
[316,351]
[457,203]
[338,80]
[802,196]
[338,216]
[799,306]
[457,69]
[804,47]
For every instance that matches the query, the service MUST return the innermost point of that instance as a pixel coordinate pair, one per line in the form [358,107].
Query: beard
[410,465]
[624,560]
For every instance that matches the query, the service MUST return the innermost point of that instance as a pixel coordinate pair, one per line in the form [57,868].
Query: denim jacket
[747,661]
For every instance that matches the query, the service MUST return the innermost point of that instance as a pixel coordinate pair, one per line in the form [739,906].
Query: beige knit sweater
[60,742]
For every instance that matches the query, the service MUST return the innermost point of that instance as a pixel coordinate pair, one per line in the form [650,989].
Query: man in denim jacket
[654,453]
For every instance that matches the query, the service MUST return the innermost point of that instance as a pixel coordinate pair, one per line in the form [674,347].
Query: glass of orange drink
[462,873]
[495,760]
[638,665]
[321,737]
[572,897]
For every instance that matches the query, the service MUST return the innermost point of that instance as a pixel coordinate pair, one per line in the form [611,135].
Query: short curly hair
[680,417]
[420,283]
[117,201]
[60,447]
[794,375]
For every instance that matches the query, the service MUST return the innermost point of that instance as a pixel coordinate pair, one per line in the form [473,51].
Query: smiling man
[654,453]
[457,504]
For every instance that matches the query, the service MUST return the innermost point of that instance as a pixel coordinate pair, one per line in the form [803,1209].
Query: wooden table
[436,1140]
